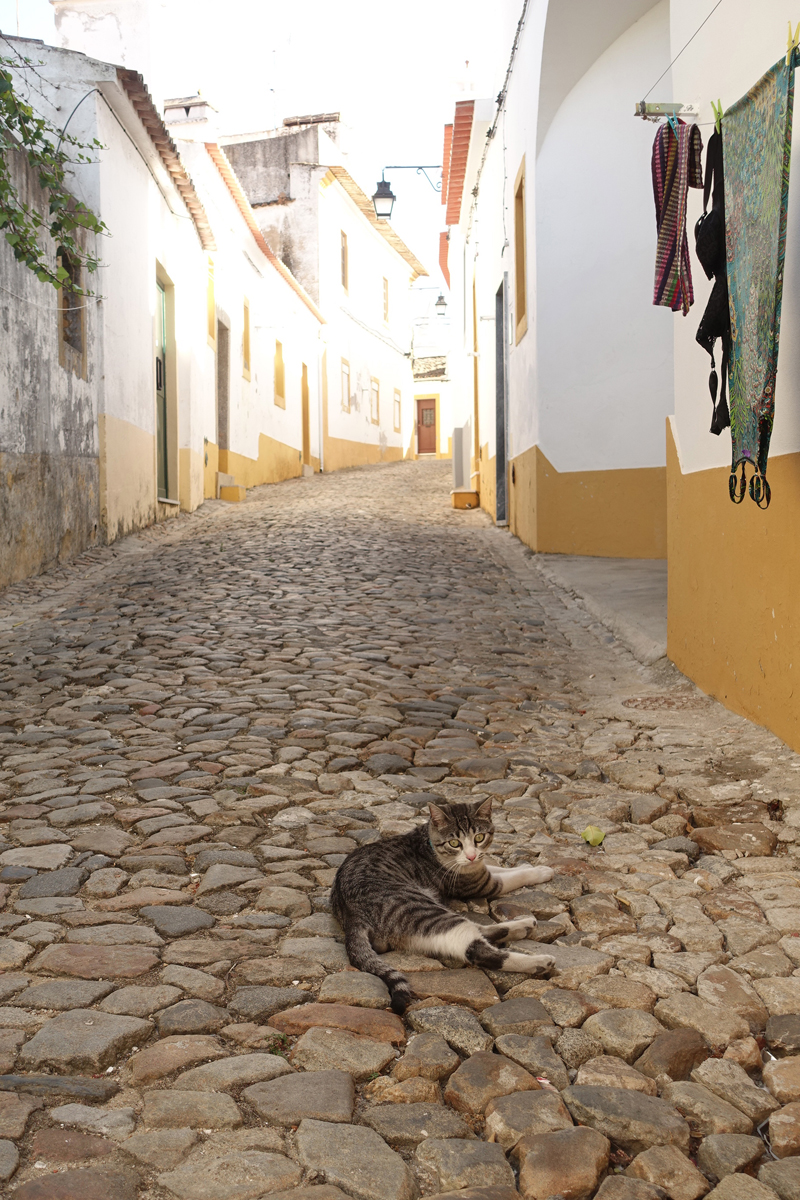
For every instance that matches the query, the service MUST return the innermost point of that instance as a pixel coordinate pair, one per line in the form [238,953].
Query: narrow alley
[198,722]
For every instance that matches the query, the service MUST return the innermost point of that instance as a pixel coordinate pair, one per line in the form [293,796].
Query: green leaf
[593,835]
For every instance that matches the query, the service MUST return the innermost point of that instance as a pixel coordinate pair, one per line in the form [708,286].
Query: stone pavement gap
[198,723]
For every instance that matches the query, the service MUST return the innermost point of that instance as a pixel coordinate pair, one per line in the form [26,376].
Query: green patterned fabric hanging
[756,137]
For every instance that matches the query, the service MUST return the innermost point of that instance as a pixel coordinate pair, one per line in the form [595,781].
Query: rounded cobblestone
[199,722]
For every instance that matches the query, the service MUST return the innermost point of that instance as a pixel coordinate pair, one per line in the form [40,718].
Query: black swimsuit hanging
[709,234]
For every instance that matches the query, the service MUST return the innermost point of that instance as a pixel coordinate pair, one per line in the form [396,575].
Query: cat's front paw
[541,874]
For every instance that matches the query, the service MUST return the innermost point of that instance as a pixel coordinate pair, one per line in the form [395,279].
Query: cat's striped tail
[363,956]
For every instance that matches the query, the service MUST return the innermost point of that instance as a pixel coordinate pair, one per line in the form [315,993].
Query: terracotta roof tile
[462,130]
[363,202]
[448,145]
[136,90]
[444,250]
[433,367]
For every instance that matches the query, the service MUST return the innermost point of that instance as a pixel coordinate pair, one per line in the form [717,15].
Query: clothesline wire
[680,52]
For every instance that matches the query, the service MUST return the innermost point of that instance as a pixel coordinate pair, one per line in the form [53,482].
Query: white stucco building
[583,411]
[240,334]
[558,242]
[112,413]
[319,221]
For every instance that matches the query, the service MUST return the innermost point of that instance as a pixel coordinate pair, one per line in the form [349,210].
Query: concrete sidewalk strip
[627,595]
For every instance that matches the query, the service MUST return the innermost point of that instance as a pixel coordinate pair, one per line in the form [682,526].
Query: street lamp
[383,198]
[441,305]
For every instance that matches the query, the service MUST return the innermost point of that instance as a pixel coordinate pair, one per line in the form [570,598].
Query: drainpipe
[320,415]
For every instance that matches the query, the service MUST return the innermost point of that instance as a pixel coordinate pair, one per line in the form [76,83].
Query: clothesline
[680,52]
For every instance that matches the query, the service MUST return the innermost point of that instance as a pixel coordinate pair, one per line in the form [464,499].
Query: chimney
[123,32]
[191,119]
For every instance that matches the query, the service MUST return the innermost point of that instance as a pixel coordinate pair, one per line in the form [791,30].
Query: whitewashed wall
[276,313]
[356,330]
[604,351]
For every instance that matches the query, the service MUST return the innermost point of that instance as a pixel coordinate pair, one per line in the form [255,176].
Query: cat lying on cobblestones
[391,895]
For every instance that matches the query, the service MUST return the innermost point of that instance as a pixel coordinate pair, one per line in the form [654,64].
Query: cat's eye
[455,843]
[479,837]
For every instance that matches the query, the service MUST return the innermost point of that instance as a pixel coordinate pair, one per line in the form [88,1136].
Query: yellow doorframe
[475,473]
[171,348]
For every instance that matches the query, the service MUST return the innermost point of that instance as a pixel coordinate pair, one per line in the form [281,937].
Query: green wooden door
[161,392]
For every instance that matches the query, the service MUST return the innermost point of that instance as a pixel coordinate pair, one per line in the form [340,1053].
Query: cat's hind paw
[510,931]
[531,964]
[519,927]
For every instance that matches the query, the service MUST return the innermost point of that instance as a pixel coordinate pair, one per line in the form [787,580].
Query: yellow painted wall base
[191,479]
[465,499]
[341,453]
[210,468]
[127,476]
[49,508]
[488,483]
[734,580]
[610,514]
[167,511]
[275,462]
[234,494]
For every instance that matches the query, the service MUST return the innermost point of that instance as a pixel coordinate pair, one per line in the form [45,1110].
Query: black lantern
[383,200]
[441,305]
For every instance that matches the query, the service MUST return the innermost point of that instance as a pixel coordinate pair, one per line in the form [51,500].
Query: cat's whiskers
[453,872]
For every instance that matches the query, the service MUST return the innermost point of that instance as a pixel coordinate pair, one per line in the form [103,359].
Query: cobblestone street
[200,721]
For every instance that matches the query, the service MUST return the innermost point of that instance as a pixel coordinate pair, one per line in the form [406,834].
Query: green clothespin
[793,42]
[717,111]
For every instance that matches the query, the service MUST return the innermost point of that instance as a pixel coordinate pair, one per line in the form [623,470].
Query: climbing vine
[48,151]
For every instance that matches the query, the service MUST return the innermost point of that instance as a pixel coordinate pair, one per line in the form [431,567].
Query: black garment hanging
[709,235]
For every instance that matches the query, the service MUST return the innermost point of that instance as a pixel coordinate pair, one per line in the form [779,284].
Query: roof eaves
[462,132]
[444,255]
[366,207]
[448,145]
[136,90]
[220,160]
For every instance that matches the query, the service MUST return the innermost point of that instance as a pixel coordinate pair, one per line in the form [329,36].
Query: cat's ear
[484,811]
[439,818]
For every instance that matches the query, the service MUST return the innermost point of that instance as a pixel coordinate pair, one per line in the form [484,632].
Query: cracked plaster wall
[49,470]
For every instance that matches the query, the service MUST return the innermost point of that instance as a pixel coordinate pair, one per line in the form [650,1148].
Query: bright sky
[394,70]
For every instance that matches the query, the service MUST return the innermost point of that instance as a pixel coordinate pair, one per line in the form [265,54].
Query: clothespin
[717,111]
[793,42]
[673,124]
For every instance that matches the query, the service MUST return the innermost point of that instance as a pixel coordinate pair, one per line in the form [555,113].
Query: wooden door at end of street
[426,426]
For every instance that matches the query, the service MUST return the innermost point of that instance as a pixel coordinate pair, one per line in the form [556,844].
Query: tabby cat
[392,895]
